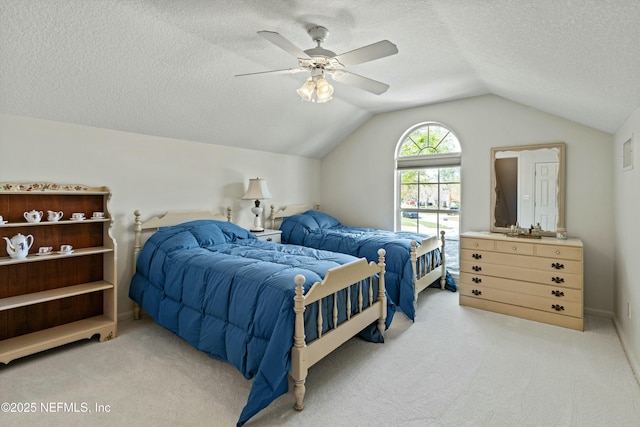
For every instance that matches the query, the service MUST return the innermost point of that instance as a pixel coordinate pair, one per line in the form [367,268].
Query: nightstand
[268,235]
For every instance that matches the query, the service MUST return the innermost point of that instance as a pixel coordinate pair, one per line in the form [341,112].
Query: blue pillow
[324,220]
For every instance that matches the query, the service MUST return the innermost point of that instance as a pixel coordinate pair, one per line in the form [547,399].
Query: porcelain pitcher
[19,245]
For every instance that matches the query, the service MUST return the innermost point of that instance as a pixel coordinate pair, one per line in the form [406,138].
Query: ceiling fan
[319,61]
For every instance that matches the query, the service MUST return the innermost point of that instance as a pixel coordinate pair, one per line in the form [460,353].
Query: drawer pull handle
[557,293]
[476,256]
[476,244]
[476,280]
[557,251]
[476,292]
[557,266]
[476,268]
[269,239]
[557,279]
[557,307]
[514,248]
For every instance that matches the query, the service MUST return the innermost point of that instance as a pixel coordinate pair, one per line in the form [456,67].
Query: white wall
[149,173]
[627,238]
[358,175]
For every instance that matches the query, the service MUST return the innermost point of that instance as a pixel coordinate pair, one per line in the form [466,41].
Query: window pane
[429,175]
[408,195]
[428,223]
[450,174]
[430,195]
[450,224]
[449,195]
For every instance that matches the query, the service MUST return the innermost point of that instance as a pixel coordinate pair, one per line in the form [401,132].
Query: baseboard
[127,315]
[631,357]
[598,313]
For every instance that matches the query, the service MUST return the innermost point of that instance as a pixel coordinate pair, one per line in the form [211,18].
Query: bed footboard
[426,268]
[360,273]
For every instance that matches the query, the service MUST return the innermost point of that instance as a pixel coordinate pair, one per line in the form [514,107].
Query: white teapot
[33,216]
[54,216]
[19,245]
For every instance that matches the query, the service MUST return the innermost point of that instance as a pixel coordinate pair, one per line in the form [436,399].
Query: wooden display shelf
[45,222]
[75,253]
[53,294]
[45,339]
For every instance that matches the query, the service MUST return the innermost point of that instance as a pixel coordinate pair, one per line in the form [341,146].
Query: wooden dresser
[535,279]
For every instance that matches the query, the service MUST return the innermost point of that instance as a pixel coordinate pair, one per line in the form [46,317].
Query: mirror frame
[560,184]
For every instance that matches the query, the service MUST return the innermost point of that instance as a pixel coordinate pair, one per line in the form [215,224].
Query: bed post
[382,295]
[229,213]
[272,216]
[298,364]
[443,277]
[414,269]
[137,245]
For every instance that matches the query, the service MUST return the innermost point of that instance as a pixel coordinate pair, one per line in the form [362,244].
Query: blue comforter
[321,231]
[231,296]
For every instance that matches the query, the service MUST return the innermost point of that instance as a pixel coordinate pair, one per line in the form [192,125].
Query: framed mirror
[527,187]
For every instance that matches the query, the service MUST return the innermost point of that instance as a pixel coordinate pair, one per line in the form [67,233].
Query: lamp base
[253,229]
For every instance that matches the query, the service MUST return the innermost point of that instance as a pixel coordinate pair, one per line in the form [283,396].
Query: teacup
[77,215]
[1,219]
[33,216]
[45,249]
[98,215]
[66,248]
[54,216]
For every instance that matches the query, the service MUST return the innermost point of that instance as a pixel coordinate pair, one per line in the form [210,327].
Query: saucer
[44,253]
[3,222]
[97,217]
[65,253]
[77,219]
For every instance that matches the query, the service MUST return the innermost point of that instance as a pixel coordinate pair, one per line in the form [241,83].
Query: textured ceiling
[166,67]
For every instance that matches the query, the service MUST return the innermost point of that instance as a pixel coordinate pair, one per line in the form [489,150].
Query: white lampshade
[258,190]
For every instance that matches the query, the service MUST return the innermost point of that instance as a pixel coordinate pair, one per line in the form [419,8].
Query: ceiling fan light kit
[319,61]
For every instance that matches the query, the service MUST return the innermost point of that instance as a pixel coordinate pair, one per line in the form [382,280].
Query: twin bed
[270,310]
[275,310]
[414,261]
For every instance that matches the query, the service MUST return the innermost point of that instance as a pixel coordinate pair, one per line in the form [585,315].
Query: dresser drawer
[546,264]
[567,308]
[561,252]
[552,278]
[557,293]
[514,247]
[480,244]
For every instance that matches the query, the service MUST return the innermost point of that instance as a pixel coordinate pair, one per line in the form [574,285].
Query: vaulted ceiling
[167,67]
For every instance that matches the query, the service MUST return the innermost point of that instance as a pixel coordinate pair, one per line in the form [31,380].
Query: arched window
[428,181]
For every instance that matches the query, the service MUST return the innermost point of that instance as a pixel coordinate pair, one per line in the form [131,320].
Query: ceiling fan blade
[360,82]
[283,44]
[284,71]
[367,53]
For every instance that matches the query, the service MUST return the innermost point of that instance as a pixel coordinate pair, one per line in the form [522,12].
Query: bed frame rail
[423,262]
[304,355]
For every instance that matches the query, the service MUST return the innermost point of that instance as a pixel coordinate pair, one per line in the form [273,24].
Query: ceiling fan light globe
[306,91]
[324,89]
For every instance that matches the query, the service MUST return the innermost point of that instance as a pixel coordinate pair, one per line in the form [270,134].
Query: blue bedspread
[231,296]
[318,230]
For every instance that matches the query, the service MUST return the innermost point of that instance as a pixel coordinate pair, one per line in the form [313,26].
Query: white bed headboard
[288,211]
[170,218]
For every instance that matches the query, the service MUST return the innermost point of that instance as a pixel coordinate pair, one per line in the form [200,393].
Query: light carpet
[455,366]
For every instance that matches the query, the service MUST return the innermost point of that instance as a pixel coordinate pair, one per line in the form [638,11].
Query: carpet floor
[455,366]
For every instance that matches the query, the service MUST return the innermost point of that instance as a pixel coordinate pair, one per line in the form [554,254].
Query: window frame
[423,161]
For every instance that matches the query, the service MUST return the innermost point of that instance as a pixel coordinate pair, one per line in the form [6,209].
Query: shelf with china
[53,298]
